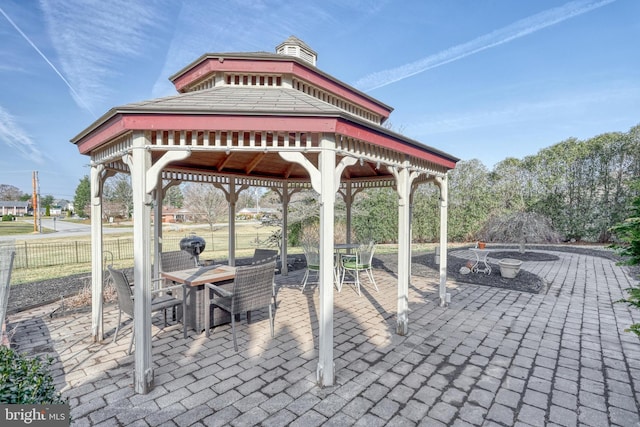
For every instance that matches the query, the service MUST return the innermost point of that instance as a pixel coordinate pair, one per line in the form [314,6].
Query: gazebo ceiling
[267,165]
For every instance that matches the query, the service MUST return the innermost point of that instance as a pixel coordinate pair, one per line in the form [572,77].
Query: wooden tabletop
[201,275]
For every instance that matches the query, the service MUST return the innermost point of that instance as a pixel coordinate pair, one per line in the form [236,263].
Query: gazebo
[256,119]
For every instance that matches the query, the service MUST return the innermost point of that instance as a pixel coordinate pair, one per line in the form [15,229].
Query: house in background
[171,214]
[15,208]
[255,213]
[61,206]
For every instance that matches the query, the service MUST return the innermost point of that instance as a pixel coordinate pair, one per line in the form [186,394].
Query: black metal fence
[35,254]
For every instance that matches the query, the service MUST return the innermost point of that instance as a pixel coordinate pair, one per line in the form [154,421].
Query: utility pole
[39,202]
[34,200]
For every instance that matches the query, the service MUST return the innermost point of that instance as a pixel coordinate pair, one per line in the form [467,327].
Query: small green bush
[628,234]
[7,217]
[26,380]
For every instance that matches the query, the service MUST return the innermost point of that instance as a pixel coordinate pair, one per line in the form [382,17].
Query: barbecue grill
[193,245]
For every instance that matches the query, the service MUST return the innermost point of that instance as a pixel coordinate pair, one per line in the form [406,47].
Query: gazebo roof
[235,100]
[236,111]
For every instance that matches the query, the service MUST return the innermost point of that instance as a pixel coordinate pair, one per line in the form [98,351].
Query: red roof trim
[331,86]
[112,128]
[362,133]
[211,65]
[120,124]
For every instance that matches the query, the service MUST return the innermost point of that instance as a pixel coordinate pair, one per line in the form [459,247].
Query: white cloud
[584,105]
[12,135]
[90,37]
[75,94]
[495,38]
[252,25]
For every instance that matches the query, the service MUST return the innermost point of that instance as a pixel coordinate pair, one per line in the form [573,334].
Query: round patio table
[481,257]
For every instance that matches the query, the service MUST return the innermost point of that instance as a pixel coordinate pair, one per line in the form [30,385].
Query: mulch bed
[523,282]
[29,295]
[526,256]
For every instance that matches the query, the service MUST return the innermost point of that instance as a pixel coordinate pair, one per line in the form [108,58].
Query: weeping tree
[520,227]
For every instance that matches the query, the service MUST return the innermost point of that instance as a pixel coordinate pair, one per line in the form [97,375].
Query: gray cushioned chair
[252,289]
[125,301]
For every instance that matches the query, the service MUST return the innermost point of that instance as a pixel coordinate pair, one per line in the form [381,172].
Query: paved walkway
[492,358]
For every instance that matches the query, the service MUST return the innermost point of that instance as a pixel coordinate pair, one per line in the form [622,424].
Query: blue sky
[480,79]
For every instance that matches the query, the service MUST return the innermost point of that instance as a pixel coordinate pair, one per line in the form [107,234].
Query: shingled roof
[234,99]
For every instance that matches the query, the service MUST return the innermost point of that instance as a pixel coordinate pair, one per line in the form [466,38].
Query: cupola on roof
[293,46]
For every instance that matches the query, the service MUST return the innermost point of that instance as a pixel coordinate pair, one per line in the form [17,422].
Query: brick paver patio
[493,357]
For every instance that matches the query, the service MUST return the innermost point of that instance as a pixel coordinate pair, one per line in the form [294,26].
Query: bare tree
[205,202]
[10,192]
[119,193]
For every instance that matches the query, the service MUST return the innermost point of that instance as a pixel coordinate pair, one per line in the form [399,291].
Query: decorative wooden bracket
[153,174]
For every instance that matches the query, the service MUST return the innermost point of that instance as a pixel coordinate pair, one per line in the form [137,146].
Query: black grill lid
[194,245]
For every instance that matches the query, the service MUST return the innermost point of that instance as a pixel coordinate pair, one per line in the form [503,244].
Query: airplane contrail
[53,67]
[12,135]
[503,35]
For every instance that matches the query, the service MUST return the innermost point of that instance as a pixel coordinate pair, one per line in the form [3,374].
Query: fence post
[26,255]
[119,255]
[77,258]
[7,254]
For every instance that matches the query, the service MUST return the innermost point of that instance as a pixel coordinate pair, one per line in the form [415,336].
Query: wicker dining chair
[176,260]
[125,302]
[261,256]
[251,290]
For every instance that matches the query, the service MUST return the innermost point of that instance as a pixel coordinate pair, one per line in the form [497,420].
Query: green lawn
[14,228]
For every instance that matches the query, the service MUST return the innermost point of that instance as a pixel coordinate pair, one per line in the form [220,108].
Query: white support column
[139,162]
[404,178]
[327,164]
[285,197]
[348,201]
[403,252]
[325,181]
[231,194]
[442,183]
[97,279]
[348,196]
[232,198]
[414,186]
[157,230]
[284,269]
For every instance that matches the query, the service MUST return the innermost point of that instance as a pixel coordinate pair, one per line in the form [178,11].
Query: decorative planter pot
[509,268]
[481,245]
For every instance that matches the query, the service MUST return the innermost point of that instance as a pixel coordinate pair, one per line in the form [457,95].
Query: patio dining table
[194,279]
